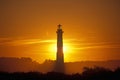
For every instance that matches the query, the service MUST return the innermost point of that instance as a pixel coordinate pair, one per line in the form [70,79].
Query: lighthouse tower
[60,55]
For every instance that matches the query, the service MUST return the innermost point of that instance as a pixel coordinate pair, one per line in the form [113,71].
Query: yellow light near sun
[66,50]
[53,48]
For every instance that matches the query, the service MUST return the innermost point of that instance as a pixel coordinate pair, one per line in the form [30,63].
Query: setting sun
[66,49]
[53,48]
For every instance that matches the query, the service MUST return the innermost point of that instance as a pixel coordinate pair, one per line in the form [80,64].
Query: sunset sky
[91,29]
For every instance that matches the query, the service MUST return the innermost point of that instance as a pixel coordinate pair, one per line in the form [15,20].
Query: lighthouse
[59,55]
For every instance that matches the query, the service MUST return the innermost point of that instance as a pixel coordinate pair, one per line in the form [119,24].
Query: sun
[67,49]
[53,48]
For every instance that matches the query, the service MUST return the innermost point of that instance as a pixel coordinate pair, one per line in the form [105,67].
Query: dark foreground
[96,73]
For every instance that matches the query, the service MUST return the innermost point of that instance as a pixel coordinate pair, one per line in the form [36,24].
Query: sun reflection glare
[67,49]
[53,48]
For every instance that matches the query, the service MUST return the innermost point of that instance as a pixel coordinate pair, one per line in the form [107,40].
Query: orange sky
[91,28]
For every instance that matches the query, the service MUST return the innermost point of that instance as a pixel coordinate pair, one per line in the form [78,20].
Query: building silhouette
[60,56]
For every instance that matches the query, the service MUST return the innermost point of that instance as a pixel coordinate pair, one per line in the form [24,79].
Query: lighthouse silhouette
[59,56]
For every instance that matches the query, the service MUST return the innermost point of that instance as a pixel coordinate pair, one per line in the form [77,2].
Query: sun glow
[66,50]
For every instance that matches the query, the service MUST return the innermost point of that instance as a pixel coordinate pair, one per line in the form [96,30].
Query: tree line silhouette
[96,73]
[23,64]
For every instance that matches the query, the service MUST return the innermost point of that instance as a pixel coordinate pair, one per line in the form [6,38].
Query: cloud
[17,42]
[80,45]
[99,46]
[77,44]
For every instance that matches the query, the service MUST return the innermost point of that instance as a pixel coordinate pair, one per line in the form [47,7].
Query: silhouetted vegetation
[96,73]
[13,64]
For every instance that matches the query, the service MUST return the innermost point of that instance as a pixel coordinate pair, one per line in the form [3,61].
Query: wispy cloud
[77,44]
[94,47]
[16,42]
[24,41]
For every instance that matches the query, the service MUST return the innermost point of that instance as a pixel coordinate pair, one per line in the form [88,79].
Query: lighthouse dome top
[59,26]
[59,29]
